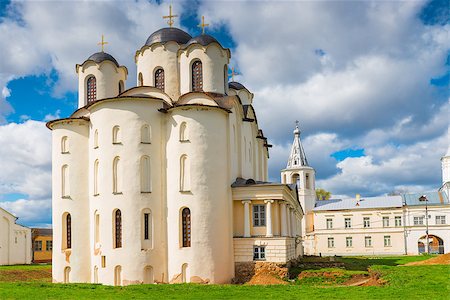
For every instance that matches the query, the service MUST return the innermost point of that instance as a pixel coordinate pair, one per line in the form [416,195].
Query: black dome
[203,40]
[102,56]
[236,85]
[168,34]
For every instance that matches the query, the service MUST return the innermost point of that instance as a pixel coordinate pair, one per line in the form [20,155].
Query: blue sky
[368,82]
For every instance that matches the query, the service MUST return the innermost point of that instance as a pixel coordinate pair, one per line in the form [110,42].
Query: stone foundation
[244,271]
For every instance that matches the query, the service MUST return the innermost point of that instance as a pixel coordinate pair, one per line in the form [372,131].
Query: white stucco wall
[15,241]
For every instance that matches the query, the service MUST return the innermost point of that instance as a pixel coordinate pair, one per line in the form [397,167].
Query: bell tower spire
[297,158]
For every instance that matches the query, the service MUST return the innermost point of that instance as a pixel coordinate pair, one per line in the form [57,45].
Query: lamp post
[424,198]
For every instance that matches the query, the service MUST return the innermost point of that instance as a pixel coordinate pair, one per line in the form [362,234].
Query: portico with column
[266,216]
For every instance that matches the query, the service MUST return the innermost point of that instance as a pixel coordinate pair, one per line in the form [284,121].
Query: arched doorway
[435,243]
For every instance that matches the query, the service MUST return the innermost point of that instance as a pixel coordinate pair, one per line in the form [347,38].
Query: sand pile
[443,259]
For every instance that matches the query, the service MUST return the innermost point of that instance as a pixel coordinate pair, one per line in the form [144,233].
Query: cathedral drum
[70,201]
[126,200]
[198,196]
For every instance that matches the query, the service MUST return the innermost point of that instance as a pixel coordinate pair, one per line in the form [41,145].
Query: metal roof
[236,85]
[204,39]
[168,34]
[433,198]
[363,203]
[102,56]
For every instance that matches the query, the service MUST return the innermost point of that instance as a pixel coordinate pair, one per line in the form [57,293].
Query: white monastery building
[15,240]
[386,225]
[167,181]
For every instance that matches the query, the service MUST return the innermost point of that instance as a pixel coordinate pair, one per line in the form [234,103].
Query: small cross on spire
[296,123]
[203,25]
[103,43]
[170,16]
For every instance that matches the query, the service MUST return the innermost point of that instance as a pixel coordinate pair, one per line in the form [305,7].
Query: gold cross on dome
[233,72]
[170,16]
[103,43]
[203,25]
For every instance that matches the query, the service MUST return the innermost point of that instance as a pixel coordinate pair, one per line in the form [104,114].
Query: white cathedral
[167,181]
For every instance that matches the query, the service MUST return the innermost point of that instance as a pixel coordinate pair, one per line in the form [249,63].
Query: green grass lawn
[411,282]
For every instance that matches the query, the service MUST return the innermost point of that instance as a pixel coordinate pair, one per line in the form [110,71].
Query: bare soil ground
[43,275]
[263,277]
[443,259]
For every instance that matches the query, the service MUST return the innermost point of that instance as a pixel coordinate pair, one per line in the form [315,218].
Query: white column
[288,220]
[283,219]
[269,218]
[292,222]
[246,217]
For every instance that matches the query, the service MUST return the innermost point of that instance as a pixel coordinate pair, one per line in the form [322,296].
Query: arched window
[67,231]
[184,174]
[117,184]
[186,225]
[66,274]
[65,184]
[121,88]
[197,76]
[96,228]
[145,134]
[183,132]
[145,174]
[64,145]
[91,89]
[296,179]
[159,79]
[148,275]
[117,228]
[95,139]
[95,274]
[307,183]
[116,135]
[146,229]
[184,268]
[118,276]
[96,177]
[140,80]
[225,79]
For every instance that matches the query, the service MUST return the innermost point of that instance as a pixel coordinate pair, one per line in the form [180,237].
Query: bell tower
[299,172]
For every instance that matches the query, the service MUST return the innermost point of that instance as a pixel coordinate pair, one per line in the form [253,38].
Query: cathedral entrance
[435,243]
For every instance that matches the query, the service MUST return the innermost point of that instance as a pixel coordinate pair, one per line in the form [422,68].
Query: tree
[322,194]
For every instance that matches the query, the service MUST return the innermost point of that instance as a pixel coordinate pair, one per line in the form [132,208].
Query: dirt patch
[25,275]
[443,259]
[260,273]
[264,277]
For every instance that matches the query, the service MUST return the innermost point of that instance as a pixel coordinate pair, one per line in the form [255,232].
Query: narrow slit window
[159,79]
[118,229]
[197,76]
[186,224]
[91,89]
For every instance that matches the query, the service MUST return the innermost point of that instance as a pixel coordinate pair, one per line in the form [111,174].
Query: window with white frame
[330,242]
[259,253]
[418,220]
[259,215]
[348,223]
[398,221]
[387,240]
[440,220]
[329,223]
[37,245]
[385,221]
[366,221]
[368,241]
[349,242]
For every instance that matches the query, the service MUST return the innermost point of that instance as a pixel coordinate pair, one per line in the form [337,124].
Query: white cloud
[25,157]
[33,213]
